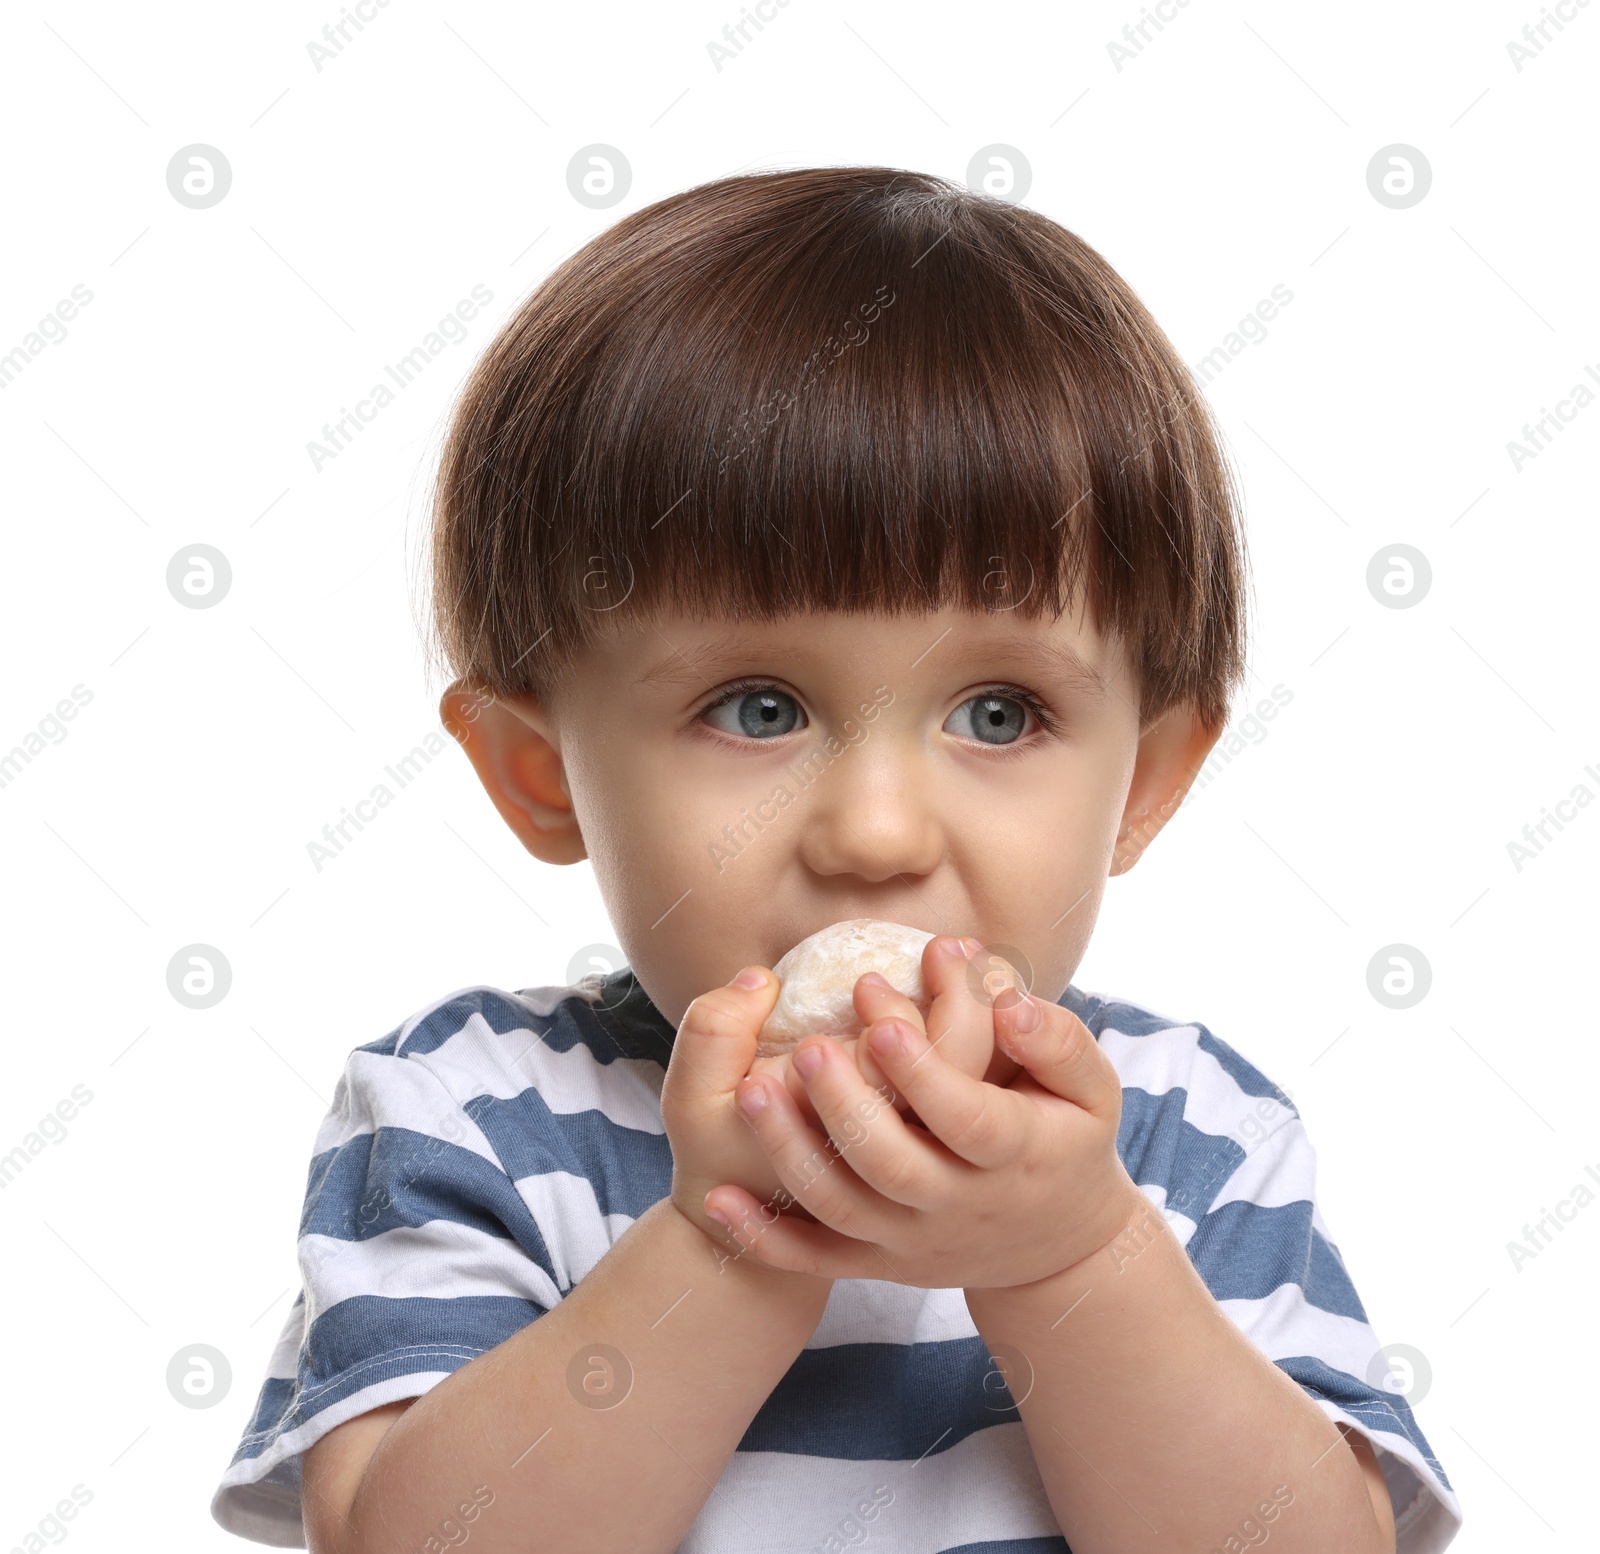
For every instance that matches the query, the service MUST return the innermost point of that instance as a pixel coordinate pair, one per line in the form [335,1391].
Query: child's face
[850,781]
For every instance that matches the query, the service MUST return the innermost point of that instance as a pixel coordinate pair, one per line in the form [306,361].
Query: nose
[868,811]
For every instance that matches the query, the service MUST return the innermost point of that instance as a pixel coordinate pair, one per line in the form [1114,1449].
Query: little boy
[814,545]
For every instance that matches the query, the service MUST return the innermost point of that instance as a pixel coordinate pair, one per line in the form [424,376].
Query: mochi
[818,977]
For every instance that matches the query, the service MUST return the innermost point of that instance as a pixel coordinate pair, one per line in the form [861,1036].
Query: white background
[430,155]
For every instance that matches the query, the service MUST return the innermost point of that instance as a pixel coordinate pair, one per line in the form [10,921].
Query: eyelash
[1042,714]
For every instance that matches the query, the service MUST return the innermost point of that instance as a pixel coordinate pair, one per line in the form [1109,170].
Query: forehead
[664,650]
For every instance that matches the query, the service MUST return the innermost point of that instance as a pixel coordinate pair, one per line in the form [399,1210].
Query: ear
[1171,753]
[511,747]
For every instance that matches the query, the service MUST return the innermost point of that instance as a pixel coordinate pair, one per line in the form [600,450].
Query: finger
[892,1158]
[717,1035]
[957,1022]
[812,1170]
[1060,1052]
[983,1124]
[785,1242]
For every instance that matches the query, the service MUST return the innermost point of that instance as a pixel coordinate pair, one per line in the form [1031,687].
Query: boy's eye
[991,718]
[763,713]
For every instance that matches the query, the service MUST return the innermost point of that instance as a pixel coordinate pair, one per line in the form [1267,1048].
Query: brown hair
[835,388]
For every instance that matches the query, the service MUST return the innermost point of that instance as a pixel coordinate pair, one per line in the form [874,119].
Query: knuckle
[976,1127]
[716,1016]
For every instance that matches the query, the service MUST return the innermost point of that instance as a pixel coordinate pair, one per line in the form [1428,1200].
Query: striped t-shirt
[481,1158]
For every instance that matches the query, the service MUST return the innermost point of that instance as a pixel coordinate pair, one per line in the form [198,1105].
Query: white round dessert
[818,977]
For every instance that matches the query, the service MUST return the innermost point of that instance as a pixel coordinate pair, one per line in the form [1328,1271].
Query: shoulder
[1195,1109]
[597,1040]
[542,1085]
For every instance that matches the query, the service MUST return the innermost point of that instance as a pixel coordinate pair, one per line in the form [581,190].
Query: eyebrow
[1056,660]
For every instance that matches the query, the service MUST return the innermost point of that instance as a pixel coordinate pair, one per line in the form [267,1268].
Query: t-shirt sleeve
[1265,1252]
[416,1253]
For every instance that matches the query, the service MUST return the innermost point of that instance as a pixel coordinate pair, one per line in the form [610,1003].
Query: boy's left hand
[999,1186]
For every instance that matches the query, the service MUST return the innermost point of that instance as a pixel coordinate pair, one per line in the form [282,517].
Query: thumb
[717,1037]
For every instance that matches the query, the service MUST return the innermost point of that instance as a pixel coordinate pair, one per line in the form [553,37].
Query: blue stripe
[1387,1411]
[1161,1147]
[882,1401]
[628,1168]
[1244,1252]
[622,1024]
[396,1177]
[370,1338]
[1055,1545]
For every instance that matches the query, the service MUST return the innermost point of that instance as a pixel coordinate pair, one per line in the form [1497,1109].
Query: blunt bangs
[858,389]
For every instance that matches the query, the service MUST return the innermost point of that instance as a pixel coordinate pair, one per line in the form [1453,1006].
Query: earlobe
[520,768]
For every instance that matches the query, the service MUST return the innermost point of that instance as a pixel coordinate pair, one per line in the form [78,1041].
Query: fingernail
[721,1218]
[750,977]
[956,949]
[1027,1016]
[754,1100]
[875,978]
[808,1060]
[970,947]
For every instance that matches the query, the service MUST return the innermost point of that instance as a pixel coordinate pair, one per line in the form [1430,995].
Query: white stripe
[985,1488]
[1281,1169]
[1285,1323]
[284,1363]
[438,1260]
[576,1234]
[477,1060]
[878,1311]
[377,1091]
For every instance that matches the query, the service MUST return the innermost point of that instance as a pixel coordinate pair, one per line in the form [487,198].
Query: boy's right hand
[715,1047]
[711,1140]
